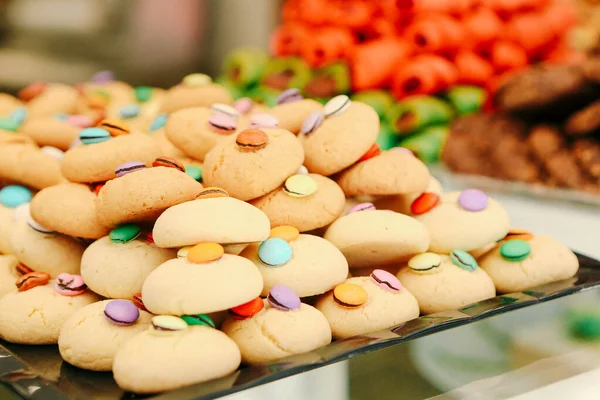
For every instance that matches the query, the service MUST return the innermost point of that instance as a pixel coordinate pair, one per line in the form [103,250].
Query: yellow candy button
[167,323]
[197,80]
[205,252]
[212,192]
[183,252]
[285,232]
[425,263]
[349,295]
[300,186]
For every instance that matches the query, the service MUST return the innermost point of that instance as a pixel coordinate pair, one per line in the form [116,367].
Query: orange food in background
[506,55]
[373,63]
[327,45]
[287,40]
[424,74]
[482,25]
[436,33]
[472,68]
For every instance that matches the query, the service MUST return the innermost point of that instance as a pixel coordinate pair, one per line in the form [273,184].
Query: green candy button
[584,325]
[463,260]
[515,250]
[143,93]
[124,233]
[199,319]
[9,124]
[194,172]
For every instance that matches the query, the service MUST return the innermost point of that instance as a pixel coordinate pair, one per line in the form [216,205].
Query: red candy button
[424,203]
[374,151]
[31,91]
[98,187]
[149,238]
[248,309]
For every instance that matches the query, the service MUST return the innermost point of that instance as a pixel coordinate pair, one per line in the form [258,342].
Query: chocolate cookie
[587,153]
[585,121]
[591,69]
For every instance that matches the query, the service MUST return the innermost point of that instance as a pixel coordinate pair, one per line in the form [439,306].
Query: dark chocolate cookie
[584,121]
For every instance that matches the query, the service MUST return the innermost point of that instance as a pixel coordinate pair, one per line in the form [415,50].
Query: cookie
[464,220]
[8,103]
[45,252]
[6,221]
[373,238]
[326,139]
[118,270]
[196,130]
[402,203]
[389,173]
[253,163]
[365,304]
[443,283]
[10,137]
[591,69]
[27,165]
[97,162]
[46,99]
[144,194]
[194,91]
[310,266]
[53,131]
[89,339]
[70,209]
[584,121]
[166,354]
[291,115]
[305,202]
[279,330]
[35,316]
[516,265]
[224,220]
[8,274]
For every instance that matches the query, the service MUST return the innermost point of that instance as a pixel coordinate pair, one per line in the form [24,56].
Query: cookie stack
[186,234]
[546,130]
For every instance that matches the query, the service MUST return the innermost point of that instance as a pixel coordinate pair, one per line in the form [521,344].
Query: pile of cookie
[170,236]
[546,130]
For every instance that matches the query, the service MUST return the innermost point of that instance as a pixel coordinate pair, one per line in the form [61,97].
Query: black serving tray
[38,372]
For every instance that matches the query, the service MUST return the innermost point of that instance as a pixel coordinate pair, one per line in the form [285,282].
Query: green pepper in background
[285,73]
[244,67]
[417,112]
[236,92]
[387,138]
[264,95]
[380,100]
[466,99]
[328,82]
[427,144]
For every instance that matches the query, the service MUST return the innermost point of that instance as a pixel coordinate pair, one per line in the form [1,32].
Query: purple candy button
[121,312]
[386,281]
[243,105]
[262,120]
[129,167]
[361,207]
[473,200]
[103,77]
[312,122]
[283,298]
[222,122]
[289,96]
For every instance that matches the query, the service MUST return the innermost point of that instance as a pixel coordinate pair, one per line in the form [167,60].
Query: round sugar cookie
[8,103]
[50,131]
[29,166]
[402,203]
[88,340]
[56,98]
[8,274]
[6,221]
[292,115]
[185,96]
[9,137]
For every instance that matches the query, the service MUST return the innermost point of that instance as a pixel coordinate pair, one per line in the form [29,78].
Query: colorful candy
[168,162]
[517,233]
[349,295]
[425,262]
[251,140]
[36,226]
[274,252]
[12,196]
[283,298]
[248,309]
[263,120]
[129,167]
[463,260]
[222,123]
[361,207]
[124,233]
[243,105]
[53,152]
[115,128]
[138,301]
[194,172]
[205,252]
[472,200]
[212,192]
[94,135]
[199,319]
[32,90]
[130,111]
[337,105]
[158,122]
[167,323]
[386,281]
[285,232]
[424,203]
[31,280]
[121,312]
[142,93]
[312,122]
[197,80]
[515,250]
[70,285]
[300,186]
[289,96]
[373,151]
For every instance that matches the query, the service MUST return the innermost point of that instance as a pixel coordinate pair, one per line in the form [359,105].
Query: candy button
[337,105]
[194,172]
[80,121]
[93,135]
[424,203]
[167,323]
[20,212]
[212,192]
[205,253]
[98,100]
[520,234]
[196,80]
[69,285]
[584,325]
[349,295]
[129,167]
[199,319]
[283,298]
[274,252]
[61,117]
[168,162]
[425,262]
[130,111]
[472,200]
[263,120]
[139,303]
[183,252]
[23,269]
[149,237]
[36,226]
[31,91]
[463,260]
[225,109]
[515,250]
[31,280]
[243,105]
[361,207]
[102,77]
[12,196]
[143,93]
[285,232]
[312,122]
[302,170]
[9,124]
[402,150]
[115,128]
[18,115]
[386,281]
[121,312]
[75,143]
[289,96]
[97,187]
[251,140]
[158,122]
[374,151]
[248,309]
[53,152]
[300,186]
[124,233]
[222,123]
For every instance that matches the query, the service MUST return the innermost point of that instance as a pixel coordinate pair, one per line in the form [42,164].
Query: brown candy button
[251,140]
[168,162]
[31,280]
[115,128]
[211,192]
[31,91]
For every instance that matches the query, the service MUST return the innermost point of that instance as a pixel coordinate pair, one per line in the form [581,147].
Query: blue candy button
[130,111]
[18,115]
[13,196]
[93,135]
[159,122]
[274,252]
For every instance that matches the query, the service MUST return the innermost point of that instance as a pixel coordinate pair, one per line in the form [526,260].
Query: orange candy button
[211,192]
[424,203]
[31,91]
[248,309]
[374,151]
[251,140]
[205,252]
[349,295]
[285,232]
[518,234]
[115,128]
